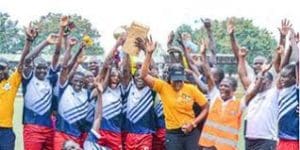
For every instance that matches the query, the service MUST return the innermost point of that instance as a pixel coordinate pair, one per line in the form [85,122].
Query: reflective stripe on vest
[220,140]
[221,127]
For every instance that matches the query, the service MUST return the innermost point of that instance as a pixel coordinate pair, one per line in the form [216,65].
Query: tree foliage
[50,24]
[258,40]
[10,39]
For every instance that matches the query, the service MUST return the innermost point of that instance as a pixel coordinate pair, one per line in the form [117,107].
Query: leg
[32,137]
[174,141]
[159,139]
[7,140]
[191,140]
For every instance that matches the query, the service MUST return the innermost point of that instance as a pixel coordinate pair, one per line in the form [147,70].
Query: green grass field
[18,127]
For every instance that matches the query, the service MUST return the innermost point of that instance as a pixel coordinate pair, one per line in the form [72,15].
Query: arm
[284,30]
[278,57]
[200,85]
[206,69]
[252,92]
[234,45]
[286,57]
[55,58]
[148,79]
[126,68]
[212,43]
[242,71]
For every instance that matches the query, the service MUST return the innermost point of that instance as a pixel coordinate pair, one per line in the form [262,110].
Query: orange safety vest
[222,126]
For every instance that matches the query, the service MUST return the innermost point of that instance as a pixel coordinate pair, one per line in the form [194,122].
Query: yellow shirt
[178,106]
[8,92]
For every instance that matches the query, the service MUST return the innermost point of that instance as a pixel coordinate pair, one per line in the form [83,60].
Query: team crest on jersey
[6,86]
[186,98]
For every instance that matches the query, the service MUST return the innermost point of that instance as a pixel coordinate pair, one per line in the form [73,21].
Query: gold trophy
[134,31]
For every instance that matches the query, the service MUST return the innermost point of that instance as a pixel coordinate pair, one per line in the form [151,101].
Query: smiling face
[138,81]
[93,66]
[257,63]
[114,78]
[177,85]
[89,80]
[41,71]
[77,81]
[288,76]
[227,87]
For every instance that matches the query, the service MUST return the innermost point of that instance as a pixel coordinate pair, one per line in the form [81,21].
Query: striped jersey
[140,114]
[159,116]
[37,96]
[288,115]
[111,109]
[72,110]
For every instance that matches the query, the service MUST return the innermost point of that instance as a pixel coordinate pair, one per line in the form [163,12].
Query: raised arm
[31,33]
[278,58]
[292,48]
[242,70]
[206,69]
[150,47]
[234,44]
[51,39]
[259,78]
[65,67]
[212,43]
[63,23]
[284,30]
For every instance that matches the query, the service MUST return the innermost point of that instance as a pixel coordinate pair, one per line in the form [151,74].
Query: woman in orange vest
[224,118]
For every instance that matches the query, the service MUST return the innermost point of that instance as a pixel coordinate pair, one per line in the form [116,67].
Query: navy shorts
[7,139]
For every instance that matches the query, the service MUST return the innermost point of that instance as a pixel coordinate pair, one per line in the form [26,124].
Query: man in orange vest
[222,126]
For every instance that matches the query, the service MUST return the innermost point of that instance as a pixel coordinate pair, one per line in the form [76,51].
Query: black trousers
[260,144]
[181,141]
[7,139]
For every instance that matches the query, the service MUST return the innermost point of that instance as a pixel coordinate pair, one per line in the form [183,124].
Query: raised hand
[64,21]
[150,45]
[243,52]
[140,43]
[52,38]
[230,26]
[72,41]
[266,67]
[206,22]
[31,32]
[81,58]
[285,27]
[171,38]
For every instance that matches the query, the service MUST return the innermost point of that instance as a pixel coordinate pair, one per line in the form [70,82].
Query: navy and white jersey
[288,115]
[111,109]
[91,113]
[91,142]
[140,115]
[72,110]
[37,96]
[159,116]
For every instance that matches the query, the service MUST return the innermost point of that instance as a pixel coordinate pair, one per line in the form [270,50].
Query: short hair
[233,82]
[77,73]
[291,69]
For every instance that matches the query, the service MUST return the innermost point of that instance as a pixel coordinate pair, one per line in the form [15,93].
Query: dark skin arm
[63,24]
[148,79]
[242,71]
[284,30]
[52,38]
[212,43]
[234,44]
[31,33]
[286,57]
[206,69]
[278,57]
[252,93]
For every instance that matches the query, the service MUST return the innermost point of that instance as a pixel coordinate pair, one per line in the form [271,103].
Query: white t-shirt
[262,116]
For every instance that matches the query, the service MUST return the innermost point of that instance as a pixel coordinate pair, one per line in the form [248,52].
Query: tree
[50,24]
[10,39]
[258,40]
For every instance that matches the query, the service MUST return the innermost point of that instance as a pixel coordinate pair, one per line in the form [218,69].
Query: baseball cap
[3,62]
[177,72]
